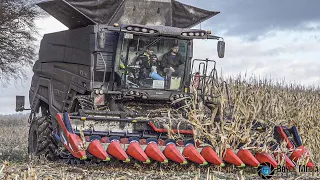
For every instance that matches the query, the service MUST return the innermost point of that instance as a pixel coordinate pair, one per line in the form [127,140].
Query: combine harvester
[90,99]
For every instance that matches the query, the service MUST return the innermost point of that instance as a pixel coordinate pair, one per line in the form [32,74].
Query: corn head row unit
[90,101]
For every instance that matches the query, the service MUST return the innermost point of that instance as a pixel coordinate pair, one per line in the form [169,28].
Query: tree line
[17,36]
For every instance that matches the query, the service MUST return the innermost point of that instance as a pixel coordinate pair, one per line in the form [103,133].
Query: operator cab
[154,62]
[143,62]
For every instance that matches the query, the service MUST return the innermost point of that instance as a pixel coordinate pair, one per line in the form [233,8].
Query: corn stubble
[249,102]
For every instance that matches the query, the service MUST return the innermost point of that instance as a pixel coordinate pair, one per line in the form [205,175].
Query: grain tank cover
[80,13]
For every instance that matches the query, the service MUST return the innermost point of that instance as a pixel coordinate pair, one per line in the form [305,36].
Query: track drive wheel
[41,141]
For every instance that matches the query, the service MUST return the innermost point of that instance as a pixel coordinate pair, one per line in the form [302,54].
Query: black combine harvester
[92,97]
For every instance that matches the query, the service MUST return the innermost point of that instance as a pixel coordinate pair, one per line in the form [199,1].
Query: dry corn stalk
[258,101]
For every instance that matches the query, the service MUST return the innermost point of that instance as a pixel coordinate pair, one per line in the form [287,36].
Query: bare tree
[17,37]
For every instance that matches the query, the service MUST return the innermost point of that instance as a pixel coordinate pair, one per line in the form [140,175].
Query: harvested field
[263,101]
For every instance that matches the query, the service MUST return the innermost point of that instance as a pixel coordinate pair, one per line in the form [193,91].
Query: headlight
[151,31]
[129,28]
[197,34]
[101,91]
[184,34]
[131,92]
[97,91]
[137,29]
[202,34]
[144,30]
[191,34]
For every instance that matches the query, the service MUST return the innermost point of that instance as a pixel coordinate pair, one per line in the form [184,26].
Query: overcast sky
[274,39]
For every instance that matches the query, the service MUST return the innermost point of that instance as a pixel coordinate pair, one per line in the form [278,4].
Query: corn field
[242,104]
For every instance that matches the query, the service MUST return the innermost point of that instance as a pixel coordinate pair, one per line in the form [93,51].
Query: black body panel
[66,13]
[76,14]
[73,46]
[66,62]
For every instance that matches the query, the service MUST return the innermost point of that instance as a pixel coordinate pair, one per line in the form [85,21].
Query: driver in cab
[149,63]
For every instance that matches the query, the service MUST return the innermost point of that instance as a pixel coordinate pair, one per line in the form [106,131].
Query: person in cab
[171,60]
[149,63]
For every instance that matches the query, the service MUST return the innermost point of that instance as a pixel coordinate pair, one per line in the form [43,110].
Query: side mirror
[20,103]
[221,49]
[101,39]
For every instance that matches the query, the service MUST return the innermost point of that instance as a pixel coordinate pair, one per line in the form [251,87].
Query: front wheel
[41,141]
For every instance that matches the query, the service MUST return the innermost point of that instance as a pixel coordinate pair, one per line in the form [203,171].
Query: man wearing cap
[148,64]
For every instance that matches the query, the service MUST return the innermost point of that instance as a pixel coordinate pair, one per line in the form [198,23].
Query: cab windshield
[153,63]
